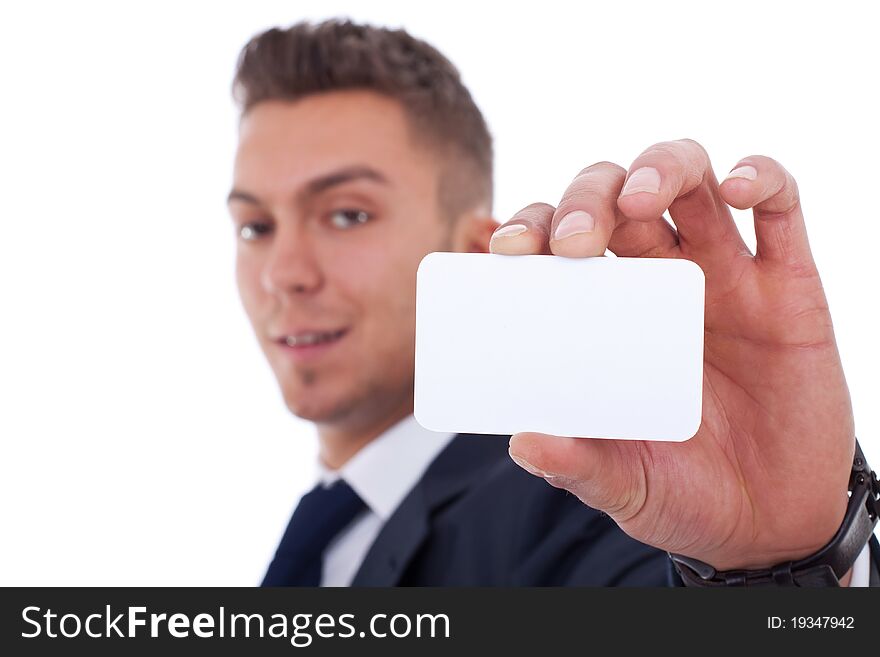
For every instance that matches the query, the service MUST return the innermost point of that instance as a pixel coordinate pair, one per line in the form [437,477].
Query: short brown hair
[336,55]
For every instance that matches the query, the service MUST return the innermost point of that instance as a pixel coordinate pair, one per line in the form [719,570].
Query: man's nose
[292,265]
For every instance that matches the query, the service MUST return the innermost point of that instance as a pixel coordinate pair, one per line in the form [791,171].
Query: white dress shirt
[861,570]
[383,472]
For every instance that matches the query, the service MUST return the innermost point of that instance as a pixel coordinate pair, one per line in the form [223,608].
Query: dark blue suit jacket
[476,519]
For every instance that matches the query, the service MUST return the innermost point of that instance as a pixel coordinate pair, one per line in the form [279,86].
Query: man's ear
[472,233]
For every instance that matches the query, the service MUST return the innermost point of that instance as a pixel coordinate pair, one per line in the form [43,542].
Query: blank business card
[593,347]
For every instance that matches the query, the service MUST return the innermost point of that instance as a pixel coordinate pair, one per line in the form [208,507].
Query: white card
[593,347]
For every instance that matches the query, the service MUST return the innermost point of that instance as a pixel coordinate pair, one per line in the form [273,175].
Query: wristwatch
[824,568]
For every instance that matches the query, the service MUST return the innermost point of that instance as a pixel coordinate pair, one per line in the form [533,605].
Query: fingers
[586,222]
[763,184]
[605,207]
[678,176]
[644,239]
[526,233]
[587,214]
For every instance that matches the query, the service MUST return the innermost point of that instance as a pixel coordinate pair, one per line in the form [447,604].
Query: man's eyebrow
[325,182]
[321,183]
[238,195]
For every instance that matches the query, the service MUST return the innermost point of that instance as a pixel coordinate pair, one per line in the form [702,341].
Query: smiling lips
[308,344]
[305,338]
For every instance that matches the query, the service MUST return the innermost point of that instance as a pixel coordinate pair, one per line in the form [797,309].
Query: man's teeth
[310,338]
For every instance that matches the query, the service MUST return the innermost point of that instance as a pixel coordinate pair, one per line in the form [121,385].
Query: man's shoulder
[503,485]
[524,530]
[506,495]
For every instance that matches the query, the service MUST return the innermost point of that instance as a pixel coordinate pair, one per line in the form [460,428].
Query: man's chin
[319,411]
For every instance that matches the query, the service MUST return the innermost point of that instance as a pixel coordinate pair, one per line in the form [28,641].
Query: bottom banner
[185,621]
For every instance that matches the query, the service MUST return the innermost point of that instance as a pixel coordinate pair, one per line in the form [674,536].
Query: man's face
[334,207]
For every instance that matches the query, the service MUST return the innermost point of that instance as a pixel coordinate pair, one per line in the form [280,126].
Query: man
[360,151]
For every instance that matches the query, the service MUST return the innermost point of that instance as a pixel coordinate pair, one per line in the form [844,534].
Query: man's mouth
[306,345]
[307,338]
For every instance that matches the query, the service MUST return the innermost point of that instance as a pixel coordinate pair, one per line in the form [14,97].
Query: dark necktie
[320,515]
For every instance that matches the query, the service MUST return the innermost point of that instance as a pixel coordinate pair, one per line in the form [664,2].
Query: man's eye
[253,231]
[347,217]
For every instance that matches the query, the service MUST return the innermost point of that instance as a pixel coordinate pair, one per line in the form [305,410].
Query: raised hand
[764,480]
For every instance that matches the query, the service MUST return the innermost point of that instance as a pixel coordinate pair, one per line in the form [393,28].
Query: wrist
[830,566]
[745,558]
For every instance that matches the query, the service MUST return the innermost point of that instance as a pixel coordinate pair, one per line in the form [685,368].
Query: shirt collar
[384,471]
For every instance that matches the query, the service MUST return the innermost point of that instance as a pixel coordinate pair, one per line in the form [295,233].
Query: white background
[142,437]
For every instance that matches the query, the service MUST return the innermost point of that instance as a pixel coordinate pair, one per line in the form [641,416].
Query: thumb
[604,474]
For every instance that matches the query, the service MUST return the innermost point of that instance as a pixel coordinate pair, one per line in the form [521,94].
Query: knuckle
[695,155]
[604,166]
[663,148]
[786,197]
[533,208]
[597,180]
[695,146]
[533,212]
[767,163]
[684,151]
[593,198]
[585,188]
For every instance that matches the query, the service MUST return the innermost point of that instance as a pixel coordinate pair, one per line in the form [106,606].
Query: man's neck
[338,443]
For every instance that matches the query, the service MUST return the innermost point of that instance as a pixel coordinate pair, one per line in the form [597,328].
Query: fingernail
[746,171]
[510,231]
[528,467]
[574,223]
[646,179]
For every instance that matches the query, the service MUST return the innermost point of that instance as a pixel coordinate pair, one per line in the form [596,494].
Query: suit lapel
[394,547]
[456,469]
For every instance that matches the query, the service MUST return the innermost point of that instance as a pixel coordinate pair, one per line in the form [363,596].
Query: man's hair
[337,55]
